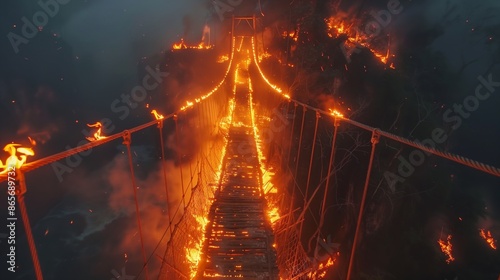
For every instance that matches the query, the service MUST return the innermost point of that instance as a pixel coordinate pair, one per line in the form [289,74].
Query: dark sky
[91,51]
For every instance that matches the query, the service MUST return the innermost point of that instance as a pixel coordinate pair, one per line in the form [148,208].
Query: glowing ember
[222,59]
[13,161]
[157,115]
[32,141]
[486,235]
[446,247]
[97,134]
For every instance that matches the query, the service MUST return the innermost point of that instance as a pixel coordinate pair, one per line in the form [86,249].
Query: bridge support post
[26,222]
[127,140]
[327,183]
[375,139]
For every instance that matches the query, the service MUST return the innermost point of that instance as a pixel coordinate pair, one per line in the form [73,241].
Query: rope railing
[376,136]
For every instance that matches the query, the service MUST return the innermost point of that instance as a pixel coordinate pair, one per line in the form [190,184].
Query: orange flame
[97,134]
[447,248]
[180,45]
[336,113]
[157,115]
[337,27]
[486,235]
[322,268]
[13,161]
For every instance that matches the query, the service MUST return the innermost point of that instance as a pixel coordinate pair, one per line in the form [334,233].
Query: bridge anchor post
[20,192]
[374,140]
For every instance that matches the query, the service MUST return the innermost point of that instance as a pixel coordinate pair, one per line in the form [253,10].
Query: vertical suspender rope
[179,159]
[304,109]
[295,105]
[375,139]
[163,166]
[127,140]
[296,168]
[26,222]
[310,167]
[328,175]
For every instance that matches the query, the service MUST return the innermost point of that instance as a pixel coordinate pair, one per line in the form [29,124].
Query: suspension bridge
[234,220]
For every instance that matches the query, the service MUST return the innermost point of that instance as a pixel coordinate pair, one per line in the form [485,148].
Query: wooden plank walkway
[239,238]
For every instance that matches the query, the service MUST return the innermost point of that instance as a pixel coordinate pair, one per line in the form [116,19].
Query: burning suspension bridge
[232,222]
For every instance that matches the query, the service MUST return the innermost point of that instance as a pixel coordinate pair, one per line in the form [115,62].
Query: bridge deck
[239,238]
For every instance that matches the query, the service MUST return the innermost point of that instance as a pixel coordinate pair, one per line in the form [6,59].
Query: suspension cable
[163,165]
[179,159]
[310,167]
[300,139]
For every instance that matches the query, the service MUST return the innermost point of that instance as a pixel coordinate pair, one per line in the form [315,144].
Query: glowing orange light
[13,161]
[336,113]
[486,235]
[338,26]
[205,96]
[97,134]
[446,248]
[32,141]
[180,45]
[157,115]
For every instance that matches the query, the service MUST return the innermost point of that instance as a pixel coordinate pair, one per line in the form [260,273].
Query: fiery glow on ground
[486,235]
[13,161]
[182,45]
[447,248]
[355,39]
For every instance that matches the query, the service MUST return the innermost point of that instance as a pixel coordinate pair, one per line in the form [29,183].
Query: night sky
[91,52]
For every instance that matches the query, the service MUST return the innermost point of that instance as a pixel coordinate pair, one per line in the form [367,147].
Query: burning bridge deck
[239,239]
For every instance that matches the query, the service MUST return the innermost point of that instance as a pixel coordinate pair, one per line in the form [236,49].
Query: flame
[205,96]
[273,212]
[323,267]
[157,115]
[447,248]
[338,26]
[336,113]
[486,235]
[182,45]
[193,251]
[97,134]
[276,88]
[13,161]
